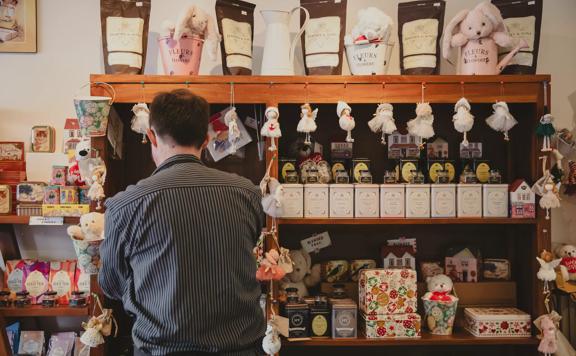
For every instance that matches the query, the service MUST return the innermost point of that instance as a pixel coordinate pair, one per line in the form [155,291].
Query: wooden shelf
[25,220]
[459,337]
[407,221]
[40,311]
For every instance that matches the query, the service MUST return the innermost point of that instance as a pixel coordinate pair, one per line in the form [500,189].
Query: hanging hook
[383,91]
[423,88]
[232,94]
[462,88]
[142,93]
[187,83]
[306,93]
[501,90]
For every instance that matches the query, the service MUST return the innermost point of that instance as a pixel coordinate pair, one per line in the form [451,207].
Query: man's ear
[152,137]
[206,142]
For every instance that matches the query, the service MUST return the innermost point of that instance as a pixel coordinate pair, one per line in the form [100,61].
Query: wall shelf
[40,311]
[25,220]
[392,221]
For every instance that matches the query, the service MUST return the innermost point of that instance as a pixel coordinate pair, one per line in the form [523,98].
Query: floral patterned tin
[497,322]
[387,291]
[52,194]
[358,265]
[391,326]
[440,315]
[93,113]
[5,199]
[68,195]
[30,192]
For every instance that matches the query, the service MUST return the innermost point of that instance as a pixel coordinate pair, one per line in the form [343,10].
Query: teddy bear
[304,275]
[80,172]
[439,288]
[373,25]
[91,228]
[479,32]
[196,22]
[568,263]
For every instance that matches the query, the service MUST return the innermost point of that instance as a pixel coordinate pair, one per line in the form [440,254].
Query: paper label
[322,60]
[497,203]
[393,203]
[470,202]
[282,325]
[522,27]
[322,40]
[46,220]
[316,242]
[36,284]
[419,38]
[132,60]
[124,34]
[341,201]
[61,283]
[16,280]
[444,203]
[237,37]
[418,203]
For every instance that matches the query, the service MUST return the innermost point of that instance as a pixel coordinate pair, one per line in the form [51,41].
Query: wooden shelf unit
[521,239]
[40,311]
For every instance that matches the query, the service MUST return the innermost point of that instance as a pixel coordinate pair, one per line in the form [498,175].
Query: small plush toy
[501,120]
[272,197]
[96,190]
[373,25]
[463,119]
[91,228]
[568,263]
[271,343]
[439,288]
[269,269]
[141,120]
[422,124]
[545,129]
[304,274]
[383,121]
[548,343]
[230,119]
[307,123]
[196,22]
[271,127]
[346,121]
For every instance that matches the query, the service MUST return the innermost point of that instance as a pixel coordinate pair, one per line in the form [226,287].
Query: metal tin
[83,195]
[344,319]
[320,319]
[11,151]
[52,194]
[69,195]
[358,166]
[5,199]
[298,319]
[43,139]
[59,175]
[30,192]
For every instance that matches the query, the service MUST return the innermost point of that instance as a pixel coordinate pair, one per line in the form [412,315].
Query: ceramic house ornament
[141,120]
[545,129]
[463,119]
[307,123]
[233,131]
[345,120]
[271,127]
[501,119]
[383,121]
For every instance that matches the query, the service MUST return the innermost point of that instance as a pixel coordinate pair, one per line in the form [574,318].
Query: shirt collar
[176,159]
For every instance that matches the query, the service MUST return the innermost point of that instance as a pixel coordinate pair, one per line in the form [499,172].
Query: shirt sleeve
[260,216]
[115,270]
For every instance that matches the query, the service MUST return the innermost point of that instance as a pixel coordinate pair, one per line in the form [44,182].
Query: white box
[366,200]
[392,201]
[341,200]
[443,200]
[469,200]
[316,199]
[417,200]
[495,200]
[293,201]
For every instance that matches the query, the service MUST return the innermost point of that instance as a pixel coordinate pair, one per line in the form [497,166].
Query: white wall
[38,88]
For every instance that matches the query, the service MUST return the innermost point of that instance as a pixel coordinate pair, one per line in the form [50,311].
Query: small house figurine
[398,257]
[403,146]
[522,200]
[462,266]
[72,134]
[473,150]
[437,149]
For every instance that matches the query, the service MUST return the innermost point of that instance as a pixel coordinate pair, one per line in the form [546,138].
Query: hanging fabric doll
[548,343]
[307,121]
[545,129]
[546,188]
[141,120]
[271,127]
[272,201]
[346,120]
[422,125]
[233,131]
[547,272]
[96,190]
[463,119]
[271,343]
[269,269]
[383,121]
[571,180]
[501,120]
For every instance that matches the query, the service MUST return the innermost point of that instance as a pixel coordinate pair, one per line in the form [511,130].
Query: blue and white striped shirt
[178,253]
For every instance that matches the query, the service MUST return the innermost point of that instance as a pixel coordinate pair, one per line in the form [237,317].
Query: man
[178,247]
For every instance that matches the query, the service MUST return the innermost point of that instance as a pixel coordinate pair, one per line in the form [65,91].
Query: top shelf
[273,90]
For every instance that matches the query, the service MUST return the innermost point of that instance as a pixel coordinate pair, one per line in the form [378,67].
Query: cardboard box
[387,291]
[391,326]
[366,200]
[293,203]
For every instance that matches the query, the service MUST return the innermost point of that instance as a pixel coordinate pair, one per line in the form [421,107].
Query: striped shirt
[178,253]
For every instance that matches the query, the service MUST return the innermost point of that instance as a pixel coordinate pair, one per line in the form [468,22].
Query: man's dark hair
[180,115]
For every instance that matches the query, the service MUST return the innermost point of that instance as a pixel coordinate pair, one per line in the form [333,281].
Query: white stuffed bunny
[196,22]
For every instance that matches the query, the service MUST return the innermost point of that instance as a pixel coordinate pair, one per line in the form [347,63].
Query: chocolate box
[497,322]
[391,326]
[387,291]
[5,199]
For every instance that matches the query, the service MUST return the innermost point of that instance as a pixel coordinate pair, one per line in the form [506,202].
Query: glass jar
[338,291]
[49,299]
[442,177]
[390,177]
[292,295]
[22,299]
[78,299]
[468,177]
[495,177]
[5,300]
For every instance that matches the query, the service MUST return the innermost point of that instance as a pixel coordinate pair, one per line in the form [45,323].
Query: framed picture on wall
[18,26]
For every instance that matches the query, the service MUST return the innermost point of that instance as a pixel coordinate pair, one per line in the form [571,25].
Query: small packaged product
[37,280]
[5,300]
[5,199]
[61,344]
[43,139]
[30,192]
[236,25]
[52,194]
[344,319]
[59,175]
[83,195]
[22,299]
[13,333]
[68,195]
[62,279]
[15,275]
[31,343]
[496,268]
[11,151]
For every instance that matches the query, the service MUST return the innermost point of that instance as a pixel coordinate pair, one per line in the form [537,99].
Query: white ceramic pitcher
[278,56]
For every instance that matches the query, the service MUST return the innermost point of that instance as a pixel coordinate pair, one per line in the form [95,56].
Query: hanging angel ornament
[547,189]
[230,119]
[545,129]
[346,120]
[547,272]
[271,343]
[141,120]
[463,119]
[307,123]
[501,120]
[271,127]
[422,125]
[383,121]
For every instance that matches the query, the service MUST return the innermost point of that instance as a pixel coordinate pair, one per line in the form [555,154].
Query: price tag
[316,242]
[282,325]
[46,220]
[251,122]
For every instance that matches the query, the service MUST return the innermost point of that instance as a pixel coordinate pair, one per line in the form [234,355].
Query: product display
[236,25]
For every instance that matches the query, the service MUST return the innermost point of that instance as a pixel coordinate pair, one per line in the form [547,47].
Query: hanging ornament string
[232,103]
[423,88]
